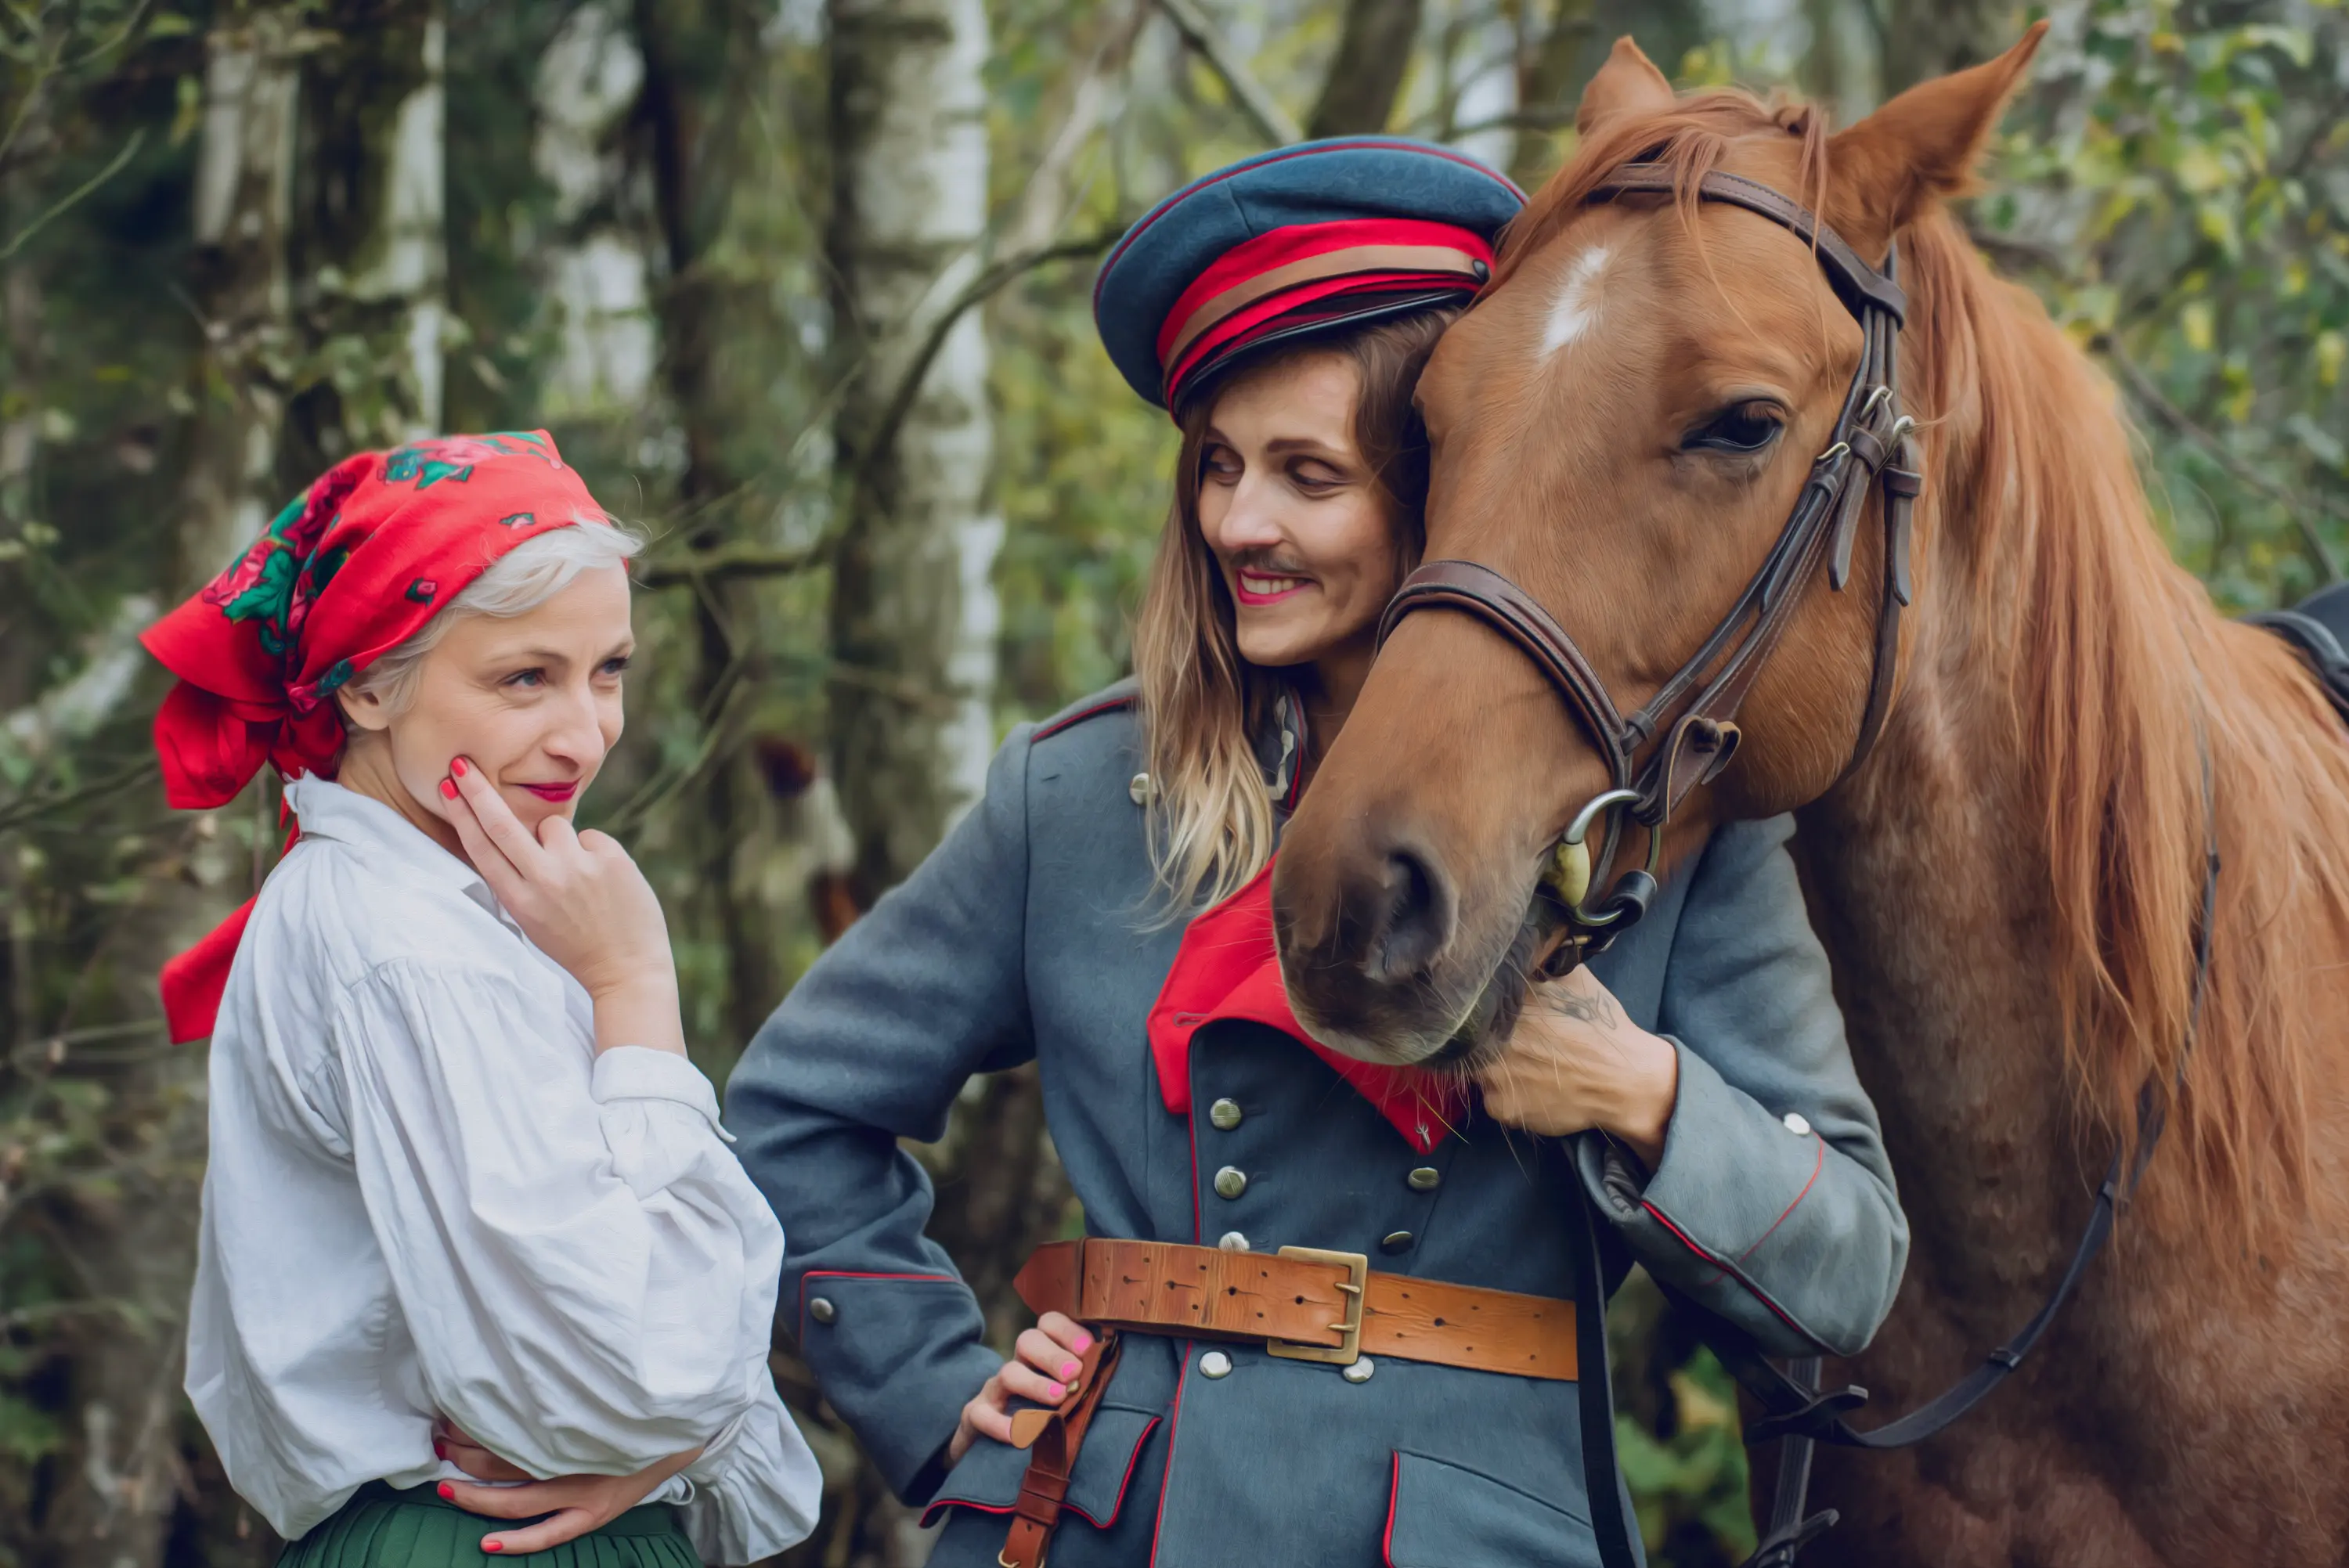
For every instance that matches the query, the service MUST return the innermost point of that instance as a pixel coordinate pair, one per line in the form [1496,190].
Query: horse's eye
[1746,427]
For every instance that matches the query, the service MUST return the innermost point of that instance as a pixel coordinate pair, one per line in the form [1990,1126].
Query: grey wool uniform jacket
[1030,935]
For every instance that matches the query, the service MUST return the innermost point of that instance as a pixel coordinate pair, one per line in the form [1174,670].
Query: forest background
[802,286]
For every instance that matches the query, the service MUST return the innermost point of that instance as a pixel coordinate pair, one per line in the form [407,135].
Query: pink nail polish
[447,790]
[493,1546]
[447,1493]
[1071,1368]
[1084,1343]
[440,1449]
[1056,1391]
[457,766]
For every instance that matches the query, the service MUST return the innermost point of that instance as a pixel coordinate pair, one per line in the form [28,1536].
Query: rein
[1688,729]
[1687,732]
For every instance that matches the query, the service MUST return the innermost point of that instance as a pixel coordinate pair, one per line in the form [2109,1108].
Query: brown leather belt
[1302,1303]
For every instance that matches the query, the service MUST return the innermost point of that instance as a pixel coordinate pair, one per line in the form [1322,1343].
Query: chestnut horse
[2010,886]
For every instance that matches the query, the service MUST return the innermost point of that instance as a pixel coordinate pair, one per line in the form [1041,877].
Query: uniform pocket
[988,1478]
[1444,1516]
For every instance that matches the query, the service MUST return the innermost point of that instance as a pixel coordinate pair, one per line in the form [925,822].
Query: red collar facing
[1229,967]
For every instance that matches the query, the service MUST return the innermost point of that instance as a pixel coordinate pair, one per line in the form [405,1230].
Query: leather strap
[1053,1438]
[1858,284]
[1192,1292]
[1595,1407]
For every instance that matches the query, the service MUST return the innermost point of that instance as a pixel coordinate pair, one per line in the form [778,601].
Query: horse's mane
[2120,678]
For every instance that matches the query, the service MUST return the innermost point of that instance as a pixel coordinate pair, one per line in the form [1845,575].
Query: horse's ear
[1628,83]
[1921,148]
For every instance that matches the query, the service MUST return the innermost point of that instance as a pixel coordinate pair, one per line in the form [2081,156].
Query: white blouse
[429,1193]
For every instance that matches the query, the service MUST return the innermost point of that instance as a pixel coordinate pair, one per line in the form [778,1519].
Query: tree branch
[25,808]
[981,288]
[2296,506]
[726,563]
[1198,29]
[79,193]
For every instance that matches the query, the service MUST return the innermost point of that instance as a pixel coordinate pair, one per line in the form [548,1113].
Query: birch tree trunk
[913,612]
[369,255]
[913,616]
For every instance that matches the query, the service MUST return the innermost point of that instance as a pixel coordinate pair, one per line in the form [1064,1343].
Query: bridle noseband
[1686,734]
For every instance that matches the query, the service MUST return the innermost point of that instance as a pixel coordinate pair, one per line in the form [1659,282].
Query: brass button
[1233,1242]
[1140,789]
[1426,1179]
[1214,1364]
[1797,1124]
[1396,1242]
[1230,1181]
[1359,1369]
[1226,1114]
[822,1309]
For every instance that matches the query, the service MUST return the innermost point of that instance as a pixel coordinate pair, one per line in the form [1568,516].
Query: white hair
[515,583]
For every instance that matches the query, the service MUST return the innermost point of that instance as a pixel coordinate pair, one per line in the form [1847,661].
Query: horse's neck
[1937,936]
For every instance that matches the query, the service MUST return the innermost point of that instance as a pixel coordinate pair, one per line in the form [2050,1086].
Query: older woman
[1317,1314]
[463,1179]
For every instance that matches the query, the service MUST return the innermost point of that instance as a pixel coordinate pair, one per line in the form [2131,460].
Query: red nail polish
[447,1493]
[440,1449]
[493,1546]
[447,790]
[457,766]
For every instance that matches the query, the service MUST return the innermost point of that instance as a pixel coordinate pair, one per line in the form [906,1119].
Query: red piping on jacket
[1731,1270]
[1817,1166]
[1116,1503]
[1045,732]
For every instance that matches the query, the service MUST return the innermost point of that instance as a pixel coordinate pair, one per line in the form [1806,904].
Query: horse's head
[1623,428]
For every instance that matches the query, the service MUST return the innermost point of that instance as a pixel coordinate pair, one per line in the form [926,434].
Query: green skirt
[384,1528]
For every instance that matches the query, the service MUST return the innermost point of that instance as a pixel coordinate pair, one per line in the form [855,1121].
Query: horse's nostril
[1418,918]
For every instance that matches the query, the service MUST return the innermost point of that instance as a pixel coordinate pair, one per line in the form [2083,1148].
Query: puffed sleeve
[1773,1204]
[756,1489]
[586,1272]
[872,1045]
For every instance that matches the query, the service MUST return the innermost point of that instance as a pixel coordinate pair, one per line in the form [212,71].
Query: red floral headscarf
[350,570]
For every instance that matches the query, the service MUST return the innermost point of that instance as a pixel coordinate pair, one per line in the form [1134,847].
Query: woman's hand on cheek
[583,902]
[1574,1061]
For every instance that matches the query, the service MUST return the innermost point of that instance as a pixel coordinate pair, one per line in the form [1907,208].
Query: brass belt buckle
[1358,1276]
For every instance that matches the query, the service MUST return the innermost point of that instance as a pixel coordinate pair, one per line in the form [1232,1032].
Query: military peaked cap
[1291,244]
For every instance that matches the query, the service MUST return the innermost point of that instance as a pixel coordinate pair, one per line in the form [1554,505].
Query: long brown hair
[1210,822]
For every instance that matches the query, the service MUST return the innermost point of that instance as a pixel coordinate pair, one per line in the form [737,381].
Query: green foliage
[1690,1490]
[2175,184]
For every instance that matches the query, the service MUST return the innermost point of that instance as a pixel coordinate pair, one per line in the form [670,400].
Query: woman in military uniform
[1323,1302]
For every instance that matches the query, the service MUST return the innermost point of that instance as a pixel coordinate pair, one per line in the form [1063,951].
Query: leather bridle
[1687,732]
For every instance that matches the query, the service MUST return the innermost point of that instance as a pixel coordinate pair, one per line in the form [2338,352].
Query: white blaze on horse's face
[1577,305]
